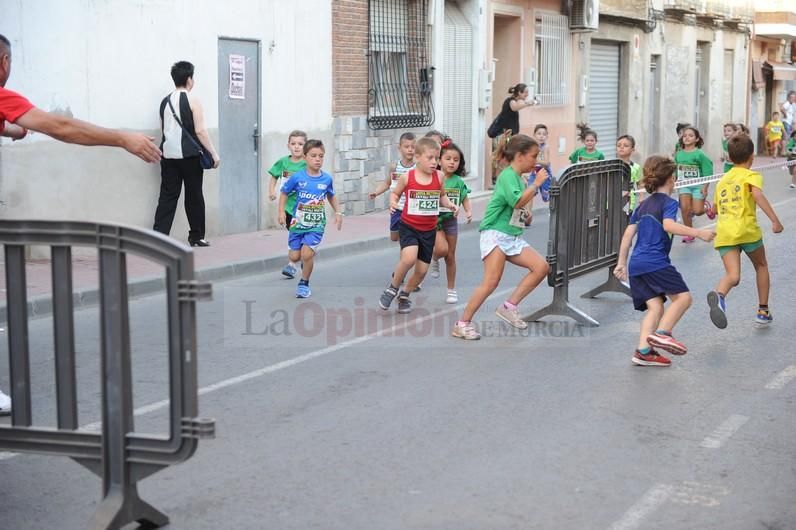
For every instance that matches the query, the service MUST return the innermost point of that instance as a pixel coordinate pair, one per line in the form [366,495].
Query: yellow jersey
[775,130]
[737,208]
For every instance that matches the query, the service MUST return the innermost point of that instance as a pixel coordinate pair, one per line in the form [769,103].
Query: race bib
[453,196]
[521,217]
[422,202]
[310,215]
[687,172]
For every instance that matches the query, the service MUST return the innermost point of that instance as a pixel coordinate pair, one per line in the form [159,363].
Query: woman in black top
[509,113]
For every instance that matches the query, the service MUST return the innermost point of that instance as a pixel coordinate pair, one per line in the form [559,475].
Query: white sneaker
[5,404]
[434,268]
[792,186]
[512,316]
[452,297]
[466,331]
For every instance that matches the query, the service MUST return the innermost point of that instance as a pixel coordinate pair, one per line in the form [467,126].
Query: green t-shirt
[457,191]
[507,192]
[725,155]
[635,178]
[284,168]
[580,155]
[692,164]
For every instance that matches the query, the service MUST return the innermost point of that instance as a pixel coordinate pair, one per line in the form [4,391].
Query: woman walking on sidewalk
[508,212]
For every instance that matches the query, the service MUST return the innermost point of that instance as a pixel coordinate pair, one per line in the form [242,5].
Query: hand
[22,134]
[216,163]
[529,218]
[706,235]
[620,272]
[393,207]
[272,195]
[455,210]
[339,220]
[541,178]
[372,195]
[282,219]
[777,227]
[141,146]
[469,217]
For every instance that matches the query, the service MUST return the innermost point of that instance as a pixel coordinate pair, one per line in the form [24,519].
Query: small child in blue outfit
[312,187]
[540,134]
[652,275]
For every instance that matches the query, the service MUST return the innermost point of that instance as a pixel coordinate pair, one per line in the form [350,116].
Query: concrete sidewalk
[228,257]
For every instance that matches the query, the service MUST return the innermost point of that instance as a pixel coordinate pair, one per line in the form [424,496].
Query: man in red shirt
[17,115]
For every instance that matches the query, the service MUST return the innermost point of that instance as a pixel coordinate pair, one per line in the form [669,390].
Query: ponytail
[517,89]
[518,144]
[584,131]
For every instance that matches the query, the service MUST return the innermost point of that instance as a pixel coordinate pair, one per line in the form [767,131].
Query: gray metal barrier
[117,454]
[587,220]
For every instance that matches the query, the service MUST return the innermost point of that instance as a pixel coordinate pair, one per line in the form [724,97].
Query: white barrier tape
[717,177]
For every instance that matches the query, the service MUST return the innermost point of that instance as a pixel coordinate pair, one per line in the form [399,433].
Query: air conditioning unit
[584,15]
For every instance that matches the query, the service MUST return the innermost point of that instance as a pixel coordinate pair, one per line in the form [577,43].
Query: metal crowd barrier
[117,454]
[587,220]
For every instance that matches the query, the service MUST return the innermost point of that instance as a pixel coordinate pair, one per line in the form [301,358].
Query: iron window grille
[553,58]
[399,73]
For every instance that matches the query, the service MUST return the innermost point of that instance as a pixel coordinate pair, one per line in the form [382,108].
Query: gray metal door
[604,95]
[239,131]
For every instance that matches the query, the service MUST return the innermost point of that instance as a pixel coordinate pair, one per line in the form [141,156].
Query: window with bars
[553,53]
[399,74]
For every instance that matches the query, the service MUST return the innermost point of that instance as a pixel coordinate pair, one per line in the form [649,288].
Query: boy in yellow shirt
[737,196]
[774,131]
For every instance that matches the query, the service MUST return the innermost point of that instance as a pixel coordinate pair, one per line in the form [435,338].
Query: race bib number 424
[423,202]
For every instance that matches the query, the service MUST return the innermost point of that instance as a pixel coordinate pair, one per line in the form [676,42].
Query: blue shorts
[656,284]
[310,239]
[395,218]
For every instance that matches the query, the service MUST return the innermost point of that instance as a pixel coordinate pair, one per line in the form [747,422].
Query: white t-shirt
[790,110]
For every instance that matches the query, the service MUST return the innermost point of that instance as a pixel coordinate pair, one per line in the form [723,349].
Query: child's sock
[304,282]
[764,308]
[403,294]
[664,332]
[462,322]
[508,305]
[645,351]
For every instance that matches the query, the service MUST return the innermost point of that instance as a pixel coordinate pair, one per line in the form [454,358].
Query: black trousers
[173,172]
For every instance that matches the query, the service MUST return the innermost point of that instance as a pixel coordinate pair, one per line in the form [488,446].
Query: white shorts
[509,245]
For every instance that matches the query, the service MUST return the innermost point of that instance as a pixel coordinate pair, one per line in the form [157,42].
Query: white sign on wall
[237,77]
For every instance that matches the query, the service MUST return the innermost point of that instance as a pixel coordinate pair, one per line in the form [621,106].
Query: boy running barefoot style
[507,213]
[652,275]
[312,186]
[406,150]
[284,168]
[453,168]
[737,195]
[417,228]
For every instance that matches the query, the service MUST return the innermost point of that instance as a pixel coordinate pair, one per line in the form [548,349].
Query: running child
[312,187]
[453,168]
[589,151]
[417,228]
[737,195]
[625,147]
[692,162]
[728,130]
[284,168]
[679,128]
[774,131]
[653,278]
[508,212]
[790,149]
[540,134]
[406,150]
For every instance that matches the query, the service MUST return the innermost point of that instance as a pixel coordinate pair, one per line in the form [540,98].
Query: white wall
[108,62]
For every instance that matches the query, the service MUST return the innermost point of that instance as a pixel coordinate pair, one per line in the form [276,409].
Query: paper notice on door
[237,77]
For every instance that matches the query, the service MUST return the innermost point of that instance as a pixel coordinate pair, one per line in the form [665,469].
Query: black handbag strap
[190,136]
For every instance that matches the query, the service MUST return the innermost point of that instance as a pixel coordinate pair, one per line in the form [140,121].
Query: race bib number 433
[423,202]
[310,215]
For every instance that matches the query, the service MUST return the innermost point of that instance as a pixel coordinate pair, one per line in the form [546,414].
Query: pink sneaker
[710,211]
[667,343]
[689,239]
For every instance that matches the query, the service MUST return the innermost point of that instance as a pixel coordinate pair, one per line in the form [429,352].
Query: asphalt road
[333,414]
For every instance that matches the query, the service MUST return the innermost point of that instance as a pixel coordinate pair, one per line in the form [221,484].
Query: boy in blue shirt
[312,187]
[652,275]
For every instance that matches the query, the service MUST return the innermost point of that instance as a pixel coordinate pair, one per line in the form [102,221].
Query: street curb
[41,305]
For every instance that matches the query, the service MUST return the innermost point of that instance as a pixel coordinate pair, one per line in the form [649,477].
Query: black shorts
[424,241]
[656,284]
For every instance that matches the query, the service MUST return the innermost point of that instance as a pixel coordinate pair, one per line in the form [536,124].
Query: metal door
[458,78]
[604,95]
[239,131]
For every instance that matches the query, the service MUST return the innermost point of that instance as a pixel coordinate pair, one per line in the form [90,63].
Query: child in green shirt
[692,162]
[790,149]
[284,168]
[589,152]
[729,130]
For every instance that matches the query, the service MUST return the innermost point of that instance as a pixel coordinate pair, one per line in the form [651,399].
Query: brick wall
[637,9]
[349,57]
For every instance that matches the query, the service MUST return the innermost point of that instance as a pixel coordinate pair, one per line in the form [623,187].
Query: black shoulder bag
[205,158]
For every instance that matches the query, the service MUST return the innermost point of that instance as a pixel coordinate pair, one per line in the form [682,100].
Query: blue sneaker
[718,309]
[289,271]
[763,318]
[303,291]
